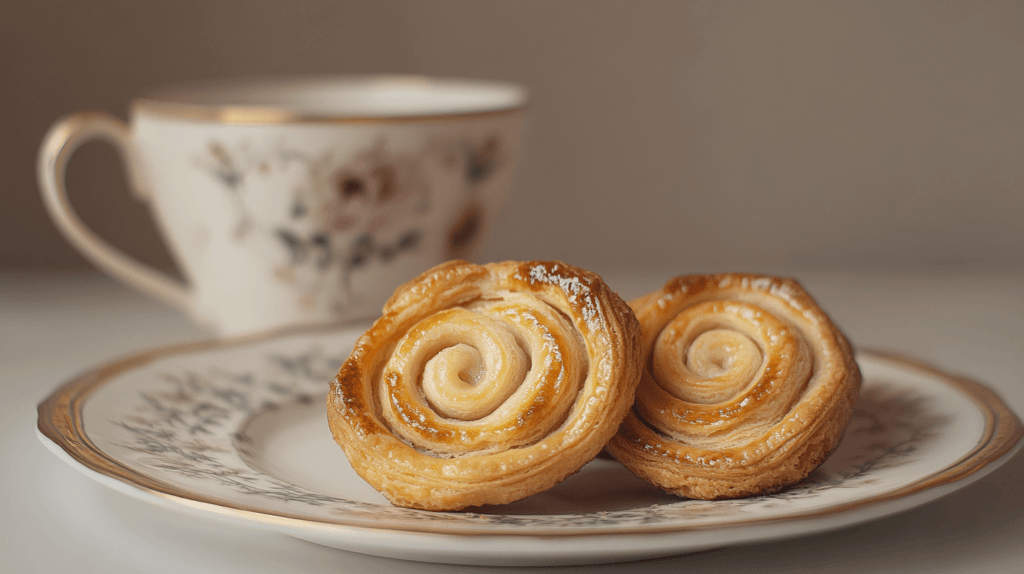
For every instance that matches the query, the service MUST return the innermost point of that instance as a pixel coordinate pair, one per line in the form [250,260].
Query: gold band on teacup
[253,115]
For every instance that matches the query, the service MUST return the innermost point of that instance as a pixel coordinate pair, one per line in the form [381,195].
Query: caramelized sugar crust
[486,384]
[747,387]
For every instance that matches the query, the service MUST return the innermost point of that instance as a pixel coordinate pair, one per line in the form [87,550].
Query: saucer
[237,430]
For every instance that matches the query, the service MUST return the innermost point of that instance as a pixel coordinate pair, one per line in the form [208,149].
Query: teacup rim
[167,101]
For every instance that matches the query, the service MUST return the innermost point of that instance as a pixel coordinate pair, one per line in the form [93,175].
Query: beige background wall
[704,135]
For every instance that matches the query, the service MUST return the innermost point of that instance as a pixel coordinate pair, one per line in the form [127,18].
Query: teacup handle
[66,135]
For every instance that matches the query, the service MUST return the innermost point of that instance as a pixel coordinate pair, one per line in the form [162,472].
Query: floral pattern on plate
[239,428]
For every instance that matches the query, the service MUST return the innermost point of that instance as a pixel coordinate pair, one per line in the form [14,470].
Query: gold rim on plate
[60,420]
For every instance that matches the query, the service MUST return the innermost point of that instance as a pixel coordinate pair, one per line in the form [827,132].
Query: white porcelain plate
[238,430]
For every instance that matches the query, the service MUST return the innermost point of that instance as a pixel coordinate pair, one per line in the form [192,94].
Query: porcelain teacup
[299,200]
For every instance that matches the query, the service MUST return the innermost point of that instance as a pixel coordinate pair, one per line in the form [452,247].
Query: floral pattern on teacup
[319,219]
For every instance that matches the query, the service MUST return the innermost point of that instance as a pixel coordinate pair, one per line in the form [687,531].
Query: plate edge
[60,421]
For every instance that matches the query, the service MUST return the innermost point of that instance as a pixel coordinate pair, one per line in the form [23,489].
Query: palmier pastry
[486,384]
[747,386]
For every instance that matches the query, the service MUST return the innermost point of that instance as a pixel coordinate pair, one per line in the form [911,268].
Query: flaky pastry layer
[747,386]
[485,384]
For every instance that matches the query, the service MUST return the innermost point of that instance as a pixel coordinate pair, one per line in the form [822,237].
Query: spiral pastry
[486,384]
[746,387]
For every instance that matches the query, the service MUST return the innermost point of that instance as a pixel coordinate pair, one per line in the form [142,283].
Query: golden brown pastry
[486,384]
[747,386]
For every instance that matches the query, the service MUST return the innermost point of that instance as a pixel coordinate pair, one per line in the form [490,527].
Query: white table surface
[55,519]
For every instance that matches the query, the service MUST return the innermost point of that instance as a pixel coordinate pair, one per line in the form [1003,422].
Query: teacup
[299,200]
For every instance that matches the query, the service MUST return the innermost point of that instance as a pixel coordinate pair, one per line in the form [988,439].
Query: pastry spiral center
[727,359]
[484,376]
[719,363]
[710,353]
[469,381]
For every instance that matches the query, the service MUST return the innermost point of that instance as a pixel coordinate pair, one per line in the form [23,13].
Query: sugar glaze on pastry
[486,384]
[747,386]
